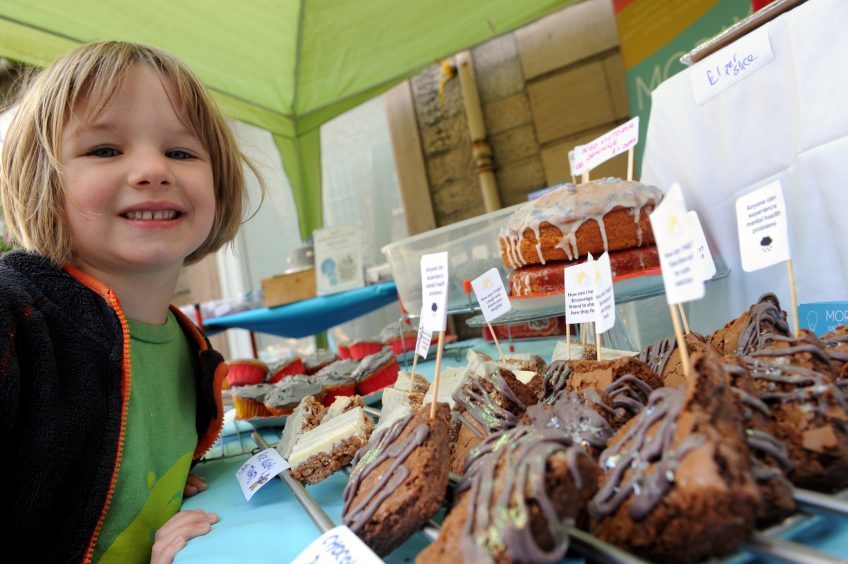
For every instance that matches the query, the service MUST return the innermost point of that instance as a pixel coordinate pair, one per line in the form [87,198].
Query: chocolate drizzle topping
[766,444]
[765,318]
[576,417]
[627,464]
[383,446]
[508,473]
[480,404]
[629,393]
[656,356]
[554,380]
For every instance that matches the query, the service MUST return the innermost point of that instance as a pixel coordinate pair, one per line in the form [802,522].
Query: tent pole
[480,148]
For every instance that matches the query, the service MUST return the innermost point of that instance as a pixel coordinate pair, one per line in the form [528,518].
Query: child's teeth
[142,215]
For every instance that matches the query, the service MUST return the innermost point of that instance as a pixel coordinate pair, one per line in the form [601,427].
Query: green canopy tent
[286,66]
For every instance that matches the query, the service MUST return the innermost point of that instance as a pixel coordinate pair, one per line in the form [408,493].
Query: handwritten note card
[763,229]
[589,156]
[422,343]
[702,249]
[604,296]
[339,545]
[580,282]
[258,471]
[681,271]
[491,294]
[434,290]
[731,65]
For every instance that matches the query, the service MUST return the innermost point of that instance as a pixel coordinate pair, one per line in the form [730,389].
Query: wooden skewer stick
[681,343]
[439,351]
[567,341]
[584,335]
[630,154]
[794,297]
[597,344]
[412,374]
[683,317]
[495,338]
[585,178]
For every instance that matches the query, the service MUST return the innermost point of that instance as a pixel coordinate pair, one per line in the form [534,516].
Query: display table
[307,317]
[272,527]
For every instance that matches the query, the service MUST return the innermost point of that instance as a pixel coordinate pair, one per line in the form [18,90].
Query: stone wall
[544,88]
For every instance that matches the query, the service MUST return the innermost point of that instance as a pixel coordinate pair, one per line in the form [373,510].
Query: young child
[116,171]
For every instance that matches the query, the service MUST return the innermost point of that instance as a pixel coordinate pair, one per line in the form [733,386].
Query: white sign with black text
[491,294]
[422,343]
[604,295]
[591,155]
[339,545]
[259,470]
[434,291]
[579,282]
[763,228]
[681,269]
[702,249]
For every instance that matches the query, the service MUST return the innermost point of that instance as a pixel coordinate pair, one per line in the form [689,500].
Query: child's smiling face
[138,184]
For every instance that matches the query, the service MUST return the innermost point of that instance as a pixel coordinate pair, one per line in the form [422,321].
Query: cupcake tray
[764,543]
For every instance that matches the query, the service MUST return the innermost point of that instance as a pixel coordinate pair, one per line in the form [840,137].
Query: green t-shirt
[159,442]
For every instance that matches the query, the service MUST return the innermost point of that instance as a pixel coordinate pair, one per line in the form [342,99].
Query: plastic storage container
[472,247]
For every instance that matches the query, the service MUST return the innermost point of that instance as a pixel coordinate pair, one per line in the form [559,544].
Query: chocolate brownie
[664,357]
[555,380]
[769,457]
[677,485]
[836,346]
[627,381]
[485,404]
[743,334]
[794,378]
[399,482]
[519,499]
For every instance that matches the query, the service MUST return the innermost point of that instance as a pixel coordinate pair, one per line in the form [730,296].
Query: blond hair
[30,165]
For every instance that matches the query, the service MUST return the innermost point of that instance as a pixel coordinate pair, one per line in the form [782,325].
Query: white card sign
[338,259]
[339,545]
[589,156]
[681,271]
[422,343]
[604,295]
[491,294]
[434,291]
[763,228]
[259,470]
[731,65]
[702,249]
[579,282]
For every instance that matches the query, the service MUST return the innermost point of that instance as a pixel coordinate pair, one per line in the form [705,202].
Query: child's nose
[151,171]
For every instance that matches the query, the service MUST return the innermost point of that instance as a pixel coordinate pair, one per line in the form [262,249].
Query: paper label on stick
[579,282]
[681,271]
[730,65]
[259,470]
[422,343]
[702,249]
[434,291]
[591,155]
[339,545]
[491,294]
[604,295]
[763,228]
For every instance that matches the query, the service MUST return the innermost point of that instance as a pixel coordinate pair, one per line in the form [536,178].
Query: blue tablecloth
[301,319]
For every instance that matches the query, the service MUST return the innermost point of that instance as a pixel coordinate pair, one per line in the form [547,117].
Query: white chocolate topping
[326,436]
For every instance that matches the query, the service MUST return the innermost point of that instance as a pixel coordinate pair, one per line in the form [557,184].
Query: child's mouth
[159,215]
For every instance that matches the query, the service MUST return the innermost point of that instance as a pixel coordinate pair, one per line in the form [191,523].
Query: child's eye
[104,152]
[179,154]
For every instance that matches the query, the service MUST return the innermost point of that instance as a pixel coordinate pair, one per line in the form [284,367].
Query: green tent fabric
[284,65]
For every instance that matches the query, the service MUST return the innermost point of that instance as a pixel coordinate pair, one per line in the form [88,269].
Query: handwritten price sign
[337,546]
[589,156]
[734,63]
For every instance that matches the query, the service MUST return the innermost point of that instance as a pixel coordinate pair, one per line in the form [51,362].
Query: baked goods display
[246,372]
[317,360]
[563,226]
[286,367]
[375,372]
